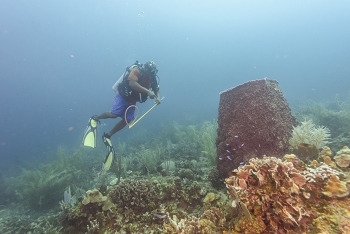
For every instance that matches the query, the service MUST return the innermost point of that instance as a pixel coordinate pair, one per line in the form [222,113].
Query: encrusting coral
[343,157]
[284,194]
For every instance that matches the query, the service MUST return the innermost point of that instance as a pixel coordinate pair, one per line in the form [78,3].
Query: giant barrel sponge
[254,120]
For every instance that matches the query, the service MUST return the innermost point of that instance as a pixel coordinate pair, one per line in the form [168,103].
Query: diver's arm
[157,93]
[155,89]
[137,87]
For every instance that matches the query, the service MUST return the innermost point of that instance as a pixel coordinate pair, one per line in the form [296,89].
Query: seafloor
[167,182]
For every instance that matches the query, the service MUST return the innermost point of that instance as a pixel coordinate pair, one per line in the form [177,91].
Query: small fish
[227,144]
[220,158]
[242,145]
[229,157]
[228,151]
[235,136]
[160,215]
[241,163]
[305,146]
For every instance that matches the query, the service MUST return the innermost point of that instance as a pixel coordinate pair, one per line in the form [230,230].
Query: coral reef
[181,192]
[136,196]
[133,202]
[342,158]
[19,219]
[285,194]
[254,119]
[211,221]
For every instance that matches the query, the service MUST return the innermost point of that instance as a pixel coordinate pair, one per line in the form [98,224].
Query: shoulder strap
[128,69]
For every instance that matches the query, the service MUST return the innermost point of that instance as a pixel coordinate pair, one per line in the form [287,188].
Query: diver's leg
[115,112]
[119,126]
[106,115]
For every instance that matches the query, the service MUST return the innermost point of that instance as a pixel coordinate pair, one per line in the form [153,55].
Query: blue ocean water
[59,59]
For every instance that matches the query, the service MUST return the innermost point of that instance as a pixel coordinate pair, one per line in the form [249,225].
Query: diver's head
[151,67]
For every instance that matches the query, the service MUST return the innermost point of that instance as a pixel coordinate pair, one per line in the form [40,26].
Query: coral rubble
[254,119]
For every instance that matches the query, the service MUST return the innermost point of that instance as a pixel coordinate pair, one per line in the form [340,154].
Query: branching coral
[280,192]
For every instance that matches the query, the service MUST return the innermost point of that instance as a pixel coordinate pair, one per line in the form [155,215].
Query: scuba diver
[133,86]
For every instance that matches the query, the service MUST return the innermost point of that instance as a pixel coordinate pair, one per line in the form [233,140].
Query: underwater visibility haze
[59,60]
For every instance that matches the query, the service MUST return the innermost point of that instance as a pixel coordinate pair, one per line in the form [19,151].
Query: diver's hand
[151,95]
[158,100]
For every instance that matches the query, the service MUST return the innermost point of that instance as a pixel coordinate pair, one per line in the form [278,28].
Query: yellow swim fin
[110,152]
[90,134]
[109,159]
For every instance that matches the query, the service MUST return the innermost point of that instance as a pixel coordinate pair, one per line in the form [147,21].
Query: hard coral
[138,196]
[93,196]
[335,187]
[254,119]
[343,157]
[211,221]
[279,193]
[325,152]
